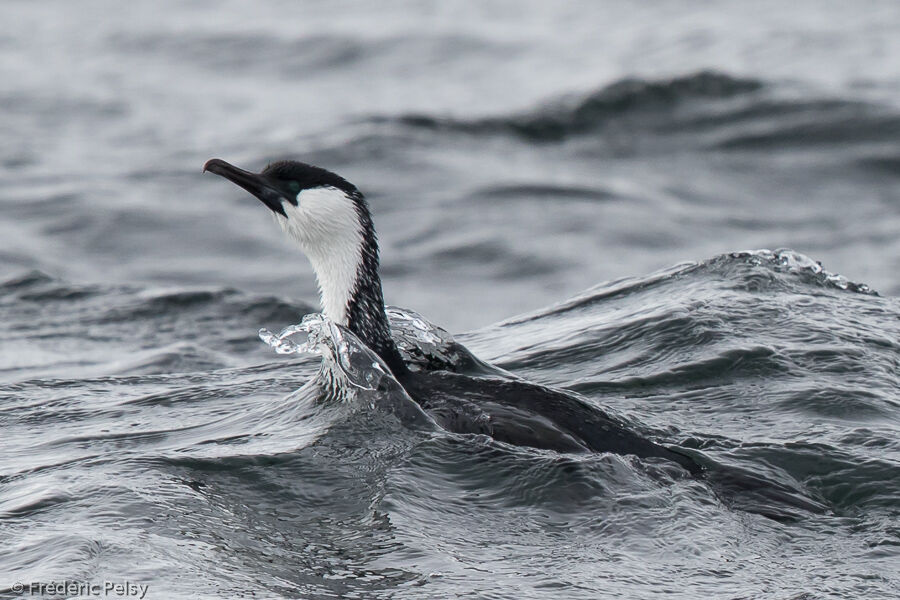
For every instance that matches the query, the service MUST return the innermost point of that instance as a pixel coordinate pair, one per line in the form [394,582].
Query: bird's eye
[295,187]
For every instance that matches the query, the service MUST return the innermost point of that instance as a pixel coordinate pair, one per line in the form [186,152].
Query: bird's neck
[367,319]
[351,295]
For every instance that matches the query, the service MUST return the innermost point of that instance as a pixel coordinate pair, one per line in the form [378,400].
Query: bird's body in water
[329,219]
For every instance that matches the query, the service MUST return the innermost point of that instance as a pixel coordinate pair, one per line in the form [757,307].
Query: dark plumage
[365,313]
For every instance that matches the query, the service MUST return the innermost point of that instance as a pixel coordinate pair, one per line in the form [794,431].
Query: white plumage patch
[326,226]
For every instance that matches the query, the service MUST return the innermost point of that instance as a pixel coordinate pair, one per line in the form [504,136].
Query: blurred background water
[618,140]
[514,154]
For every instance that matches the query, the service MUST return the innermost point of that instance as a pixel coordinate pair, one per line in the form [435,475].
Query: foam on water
[800,264]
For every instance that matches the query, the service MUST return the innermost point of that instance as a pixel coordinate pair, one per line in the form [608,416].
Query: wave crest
[785,260]
[583,114]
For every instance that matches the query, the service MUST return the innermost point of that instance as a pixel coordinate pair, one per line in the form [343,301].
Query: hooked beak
[256,184]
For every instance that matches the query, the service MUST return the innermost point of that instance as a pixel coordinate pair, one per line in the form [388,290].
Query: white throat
[326,225]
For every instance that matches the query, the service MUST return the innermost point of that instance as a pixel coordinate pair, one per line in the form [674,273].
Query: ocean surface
[579,192]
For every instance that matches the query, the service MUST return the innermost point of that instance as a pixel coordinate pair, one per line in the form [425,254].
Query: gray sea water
[567,187]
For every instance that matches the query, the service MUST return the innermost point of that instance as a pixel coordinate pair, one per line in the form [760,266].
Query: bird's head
[314,206]
[328,218]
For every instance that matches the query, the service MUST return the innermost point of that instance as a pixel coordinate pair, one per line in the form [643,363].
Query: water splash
[350,371]
[415,323]
[346,360]
[423,345]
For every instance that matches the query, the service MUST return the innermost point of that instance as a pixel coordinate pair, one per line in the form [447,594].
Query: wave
[104,330]
[686,351]
[752,270]
[718,110]
[779,376]
[715,348]
[133,303]
[570,116]
[711,325]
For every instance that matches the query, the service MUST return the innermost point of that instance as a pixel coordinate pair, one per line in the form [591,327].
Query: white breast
[326,226]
